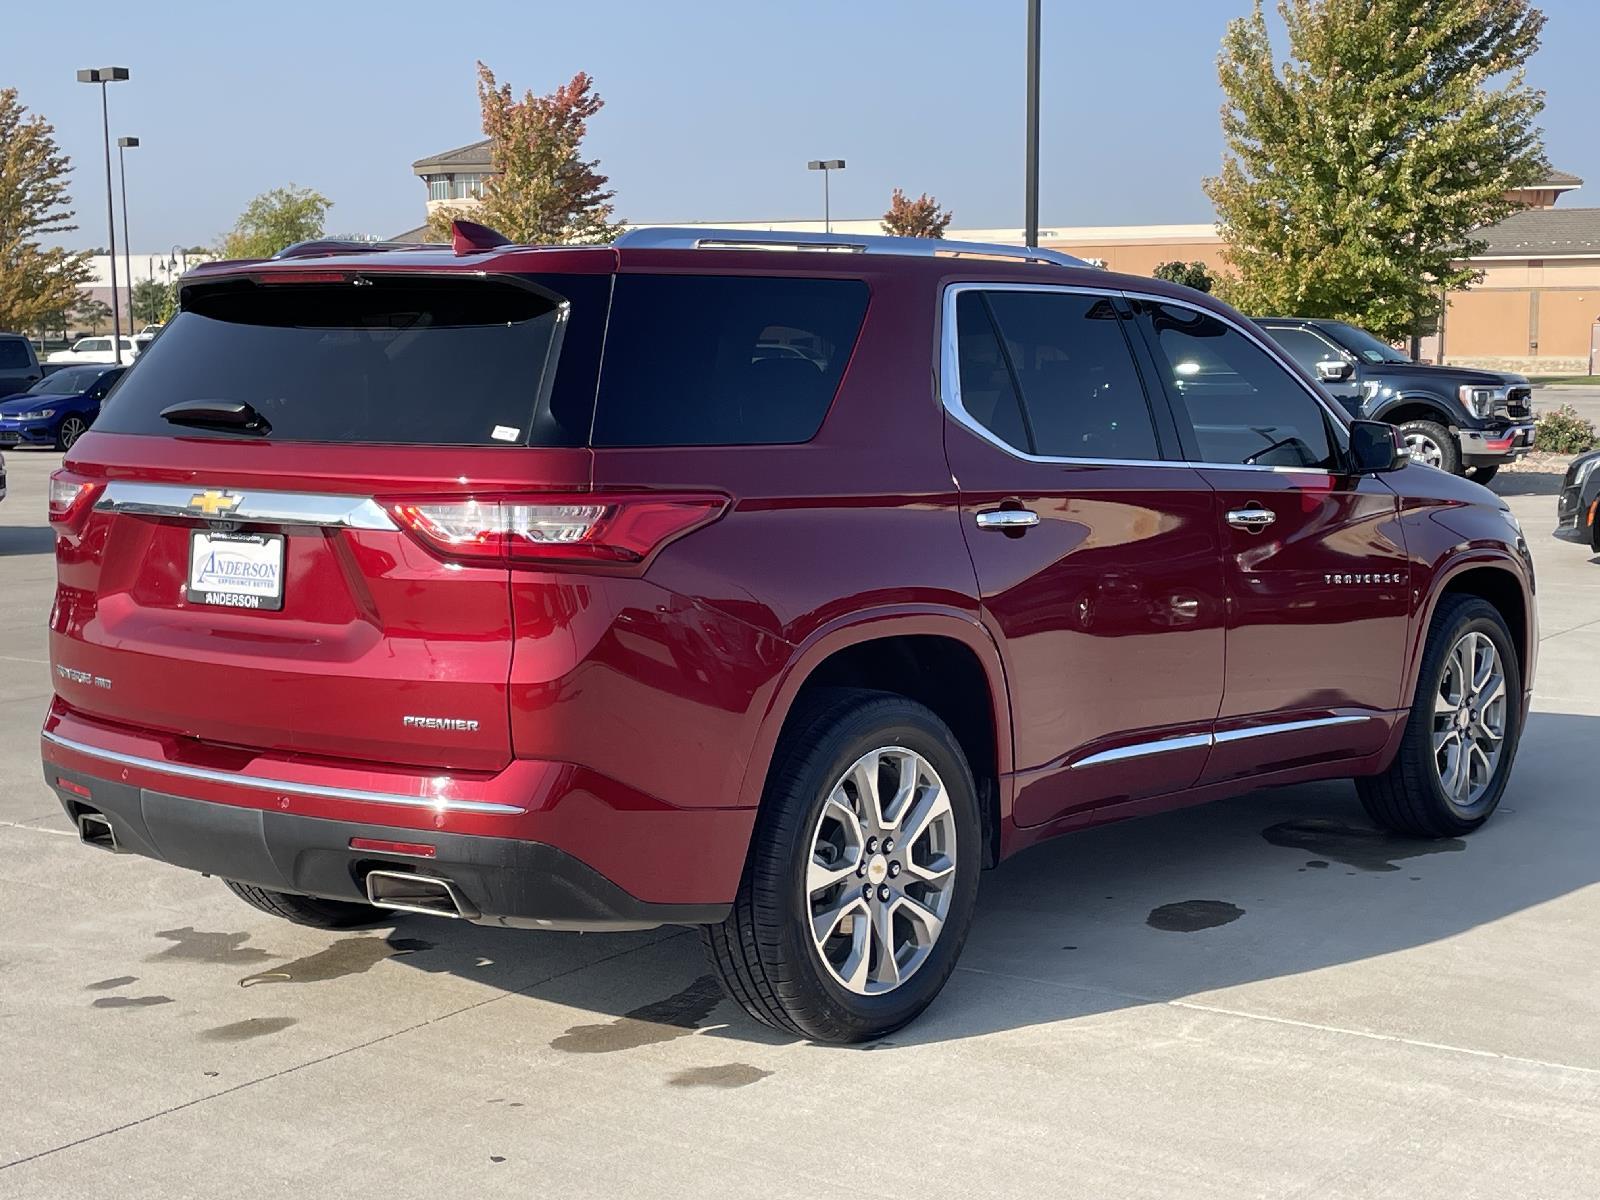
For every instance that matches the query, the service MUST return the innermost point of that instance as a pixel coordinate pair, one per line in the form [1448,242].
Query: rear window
[380,358]
[703,360]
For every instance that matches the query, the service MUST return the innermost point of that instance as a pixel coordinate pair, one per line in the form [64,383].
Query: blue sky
[712,109]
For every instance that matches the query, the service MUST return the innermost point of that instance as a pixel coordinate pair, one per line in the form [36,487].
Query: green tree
[542,190]
[91,312]
[1356,173]
[277,219]
[150,301]
[1190,274]
[35,280]
[921,217]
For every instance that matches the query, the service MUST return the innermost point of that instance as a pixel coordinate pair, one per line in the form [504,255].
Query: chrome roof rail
[682,238]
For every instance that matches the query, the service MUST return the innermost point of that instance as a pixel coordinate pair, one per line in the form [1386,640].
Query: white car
[96,350]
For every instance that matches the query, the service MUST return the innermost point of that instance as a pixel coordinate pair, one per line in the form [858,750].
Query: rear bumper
[542,844]
[500,881]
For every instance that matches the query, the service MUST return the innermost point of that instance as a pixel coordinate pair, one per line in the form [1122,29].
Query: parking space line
[38,662]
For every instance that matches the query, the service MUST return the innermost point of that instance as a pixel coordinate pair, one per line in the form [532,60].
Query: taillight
[592,529]
[69,496]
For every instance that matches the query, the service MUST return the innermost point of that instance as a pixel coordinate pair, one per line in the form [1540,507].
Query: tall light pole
[826,165]
[125,143]
[1030,204]
[103,76]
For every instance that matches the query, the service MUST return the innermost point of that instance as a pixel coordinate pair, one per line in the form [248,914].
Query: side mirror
[1335,370]
[1375,447]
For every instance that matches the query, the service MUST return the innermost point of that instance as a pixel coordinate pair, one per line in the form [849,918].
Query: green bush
[1563,431]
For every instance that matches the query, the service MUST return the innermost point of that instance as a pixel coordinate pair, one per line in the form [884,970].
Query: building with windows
[1537,308]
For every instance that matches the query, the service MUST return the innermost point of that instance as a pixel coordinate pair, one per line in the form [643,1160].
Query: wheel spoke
[838,809]
[921,915]
[1455,775]
[824,923]
[931,805]
[854,968]
[1484,662]
[935,872]
[888,967]
[865,776]
[820,875]
[1442,740]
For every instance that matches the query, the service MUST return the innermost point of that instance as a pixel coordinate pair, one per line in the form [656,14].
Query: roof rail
[689,238]
[323,247]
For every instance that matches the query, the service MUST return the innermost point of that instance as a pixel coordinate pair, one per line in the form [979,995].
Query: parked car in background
[19,364]
[97,350]
[1460,419]
[59,409]
[653,623]
[1578,505]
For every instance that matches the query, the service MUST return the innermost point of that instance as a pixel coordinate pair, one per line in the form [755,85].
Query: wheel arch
[1496,578]
[944,660]
[1416,406]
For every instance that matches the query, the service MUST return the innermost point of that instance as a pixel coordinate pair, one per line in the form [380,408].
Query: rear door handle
[1007,518]
[1252,519]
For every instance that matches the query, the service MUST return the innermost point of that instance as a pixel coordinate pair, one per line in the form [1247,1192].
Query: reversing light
[593,529]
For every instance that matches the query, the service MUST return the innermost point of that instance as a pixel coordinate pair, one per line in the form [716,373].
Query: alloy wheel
[1469,719]
[881,871]
[1424,449]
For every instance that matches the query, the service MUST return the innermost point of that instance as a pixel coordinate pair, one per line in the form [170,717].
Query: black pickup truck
[1459,419]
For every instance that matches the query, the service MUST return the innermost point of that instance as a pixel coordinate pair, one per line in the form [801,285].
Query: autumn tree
[1356,173]
[542,190]
[921,217]
[1190,274]
[277,219]
[35,280]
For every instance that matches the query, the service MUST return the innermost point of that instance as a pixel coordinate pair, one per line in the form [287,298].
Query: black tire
[764,953]
[1409,798]
[309,910]
[1483,474]
[71,430]
[1449,452]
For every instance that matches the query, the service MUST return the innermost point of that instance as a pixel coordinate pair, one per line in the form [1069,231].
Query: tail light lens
[69,496]
[575,530]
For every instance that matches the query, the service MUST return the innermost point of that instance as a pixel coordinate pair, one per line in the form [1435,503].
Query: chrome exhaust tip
[405,891]
[95,830]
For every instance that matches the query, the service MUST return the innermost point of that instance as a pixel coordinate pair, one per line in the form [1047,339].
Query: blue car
[57,410]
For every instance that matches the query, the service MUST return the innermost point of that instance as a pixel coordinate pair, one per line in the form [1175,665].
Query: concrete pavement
[1258,998]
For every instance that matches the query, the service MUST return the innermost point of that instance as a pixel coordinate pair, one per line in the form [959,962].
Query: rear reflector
[69,495]
[592,529]
[77,789]
[414,849]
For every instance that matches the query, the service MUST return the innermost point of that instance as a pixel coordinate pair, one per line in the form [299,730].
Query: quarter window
[1050,373]
[1244,407]
[1304,347]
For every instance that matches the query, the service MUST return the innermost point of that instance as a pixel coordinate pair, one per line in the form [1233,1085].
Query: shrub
[1563,431]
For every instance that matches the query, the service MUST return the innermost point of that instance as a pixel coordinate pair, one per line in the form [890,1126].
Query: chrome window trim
[950,377]
[667,237]
[1194,741]
[267,507]
[262,784]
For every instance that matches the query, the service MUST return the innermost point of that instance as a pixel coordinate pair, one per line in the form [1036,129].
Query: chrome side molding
[247,504]
[260,784]
[1197,740]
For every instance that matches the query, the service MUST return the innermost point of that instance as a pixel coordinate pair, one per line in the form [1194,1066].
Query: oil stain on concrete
[1191,916]
[104,985]
[348,956]
[194,945]
[243,1031]
[131,1001]
[1364,849]
[725,1075]
[663,1020]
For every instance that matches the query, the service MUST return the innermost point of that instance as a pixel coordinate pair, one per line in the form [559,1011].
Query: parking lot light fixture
[126,143]
[826,165]
[103,76]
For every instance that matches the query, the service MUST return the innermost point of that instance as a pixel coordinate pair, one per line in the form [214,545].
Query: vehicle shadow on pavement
[1527,483]
[18,540]
[1272,884]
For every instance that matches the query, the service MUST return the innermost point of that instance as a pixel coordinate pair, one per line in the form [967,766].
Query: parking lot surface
[1263,997]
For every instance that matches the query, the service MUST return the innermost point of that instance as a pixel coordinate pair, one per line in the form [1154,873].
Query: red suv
[771,586]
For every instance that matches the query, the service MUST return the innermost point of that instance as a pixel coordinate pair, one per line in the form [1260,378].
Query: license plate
[236,570]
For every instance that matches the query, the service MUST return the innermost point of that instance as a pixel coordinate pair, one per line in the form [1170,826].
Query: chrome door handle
[1252,519]
[1007,518]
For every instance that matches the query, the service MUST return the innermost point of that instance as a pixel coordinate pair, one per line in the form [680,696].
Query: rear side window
[1065,355]
[13,354]
[1305,348]
[412,360]
[708,360]
[1244,406]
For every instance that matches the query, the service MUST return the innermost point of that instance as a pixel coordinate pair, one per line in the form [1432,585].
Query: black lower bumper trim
[508,882]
